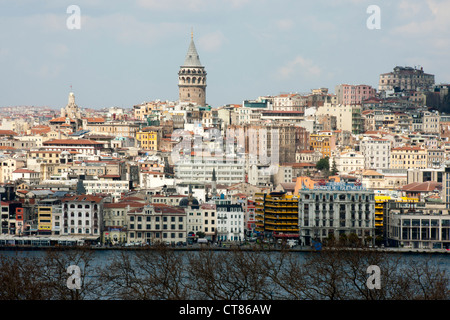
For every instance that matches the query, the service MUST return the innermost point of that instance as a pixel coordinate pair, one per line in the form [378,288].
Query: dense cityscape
[362,165]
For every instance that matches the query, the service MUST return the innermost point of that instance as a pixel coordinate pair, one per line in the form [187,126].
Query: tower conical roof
[192,59]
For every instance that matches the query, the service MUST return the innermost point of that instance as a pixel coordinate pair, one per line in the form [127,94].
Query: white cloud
[285,24]
[191,5]
[436,24]
[212,41]
[128,29]
[299,66]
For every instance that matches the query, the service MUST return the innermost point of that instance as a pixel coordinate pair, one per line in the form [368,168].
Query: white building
[347,162]
[115,188]
[431,122]
[289,102]
[82,215]
[377,153]
[28,176]
[230,222]
[154,179]
[200,170]
[336,209]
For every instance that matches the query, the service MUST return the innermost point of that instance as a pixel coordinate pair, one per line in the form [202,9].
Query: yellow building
[277,213]
[44,219]
[323,143]
[409,158]
[149,140]
[380,205]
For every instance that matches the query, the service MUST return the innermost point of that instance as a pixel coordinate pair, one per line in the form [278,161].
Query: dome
[186,202]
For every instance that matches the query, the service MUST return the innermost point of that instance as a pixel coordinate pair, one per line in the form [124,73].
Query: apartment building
[335,210]
[156,223]
[29,177]
[230,222]
[149,138]
[201,170]
[7,167]
[116,188]
[289,102]
[114,128]
[353,94]
[115,221]
[347,162]
[202,219]
[309,156]
[408,157]
[83,146]
[377,152]
[49,216]
[277,215]
[405,78]
[82,215]
[348,116]
[323,142]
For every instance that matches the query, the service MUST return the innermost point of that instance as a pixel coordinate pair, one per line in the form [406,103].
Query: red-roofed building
[30,177]
[7,133]
[84,146]
[408,157]
[157,223]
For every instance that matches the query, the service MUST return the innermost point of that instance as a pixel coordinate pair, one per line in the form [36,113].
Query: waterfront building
[49,216]
[277,215]
[156,223]
[82,215]
[115,221]
[203,219]
[230,222]
[418,225]
[334,210]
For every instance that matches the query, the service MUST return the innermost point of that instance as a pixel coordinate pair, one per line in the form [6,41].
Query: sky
[128,52]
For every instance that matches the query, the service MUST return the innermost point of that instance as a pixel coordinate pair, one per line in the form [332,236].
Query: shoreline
[214,248]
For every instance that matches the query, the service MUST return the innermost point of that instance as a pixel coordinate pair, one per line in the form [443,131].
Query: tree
[323,164]
[334,169]
[200,234]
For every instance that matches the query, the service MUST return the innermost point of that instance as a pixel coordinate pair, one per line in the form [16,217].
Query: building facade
[335,210]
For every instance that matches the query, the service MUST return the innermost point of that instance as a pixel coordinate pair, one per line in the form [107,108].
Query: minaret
[192,77]
[214,183]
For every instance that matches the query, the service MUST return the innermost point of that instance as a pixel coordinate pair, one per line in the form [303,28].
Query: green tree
[323,164]
[334,169]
